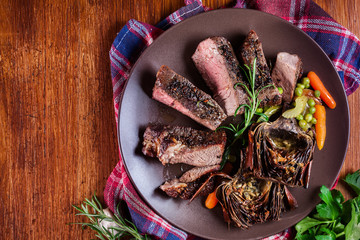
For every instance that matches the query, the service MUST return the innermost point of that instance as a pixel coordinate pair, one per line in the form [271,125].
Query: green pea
[306,81]
[303,124]
[317,93]
[307,85]
[298,91]
[308,117]
[306,127]
[313,121]
[280,90]
[299,117]
[259,110]
[312,110]
[311,102]
[299,85]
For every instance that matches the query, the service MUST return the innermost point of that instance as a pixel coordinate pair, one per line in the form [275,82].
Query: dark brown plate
[174,48]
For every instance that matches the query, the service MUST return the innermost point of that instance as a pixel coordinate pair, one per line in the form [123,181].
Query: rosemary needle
[249,109]
[106,225]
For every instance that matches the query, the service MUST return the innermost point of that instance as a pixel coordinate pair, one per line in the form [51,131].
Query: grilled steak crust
[251,49]
[288,68]
[186,186]
[216,61]
[179,93]
[184,145]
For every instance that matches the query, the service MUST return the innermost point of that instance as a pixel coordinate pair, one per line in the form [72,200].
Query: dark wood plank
[58,139]
[347,13]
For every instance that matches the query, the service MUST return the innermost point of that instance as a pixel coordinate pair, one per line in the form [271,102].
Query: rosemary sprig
[99,218]
[249,109]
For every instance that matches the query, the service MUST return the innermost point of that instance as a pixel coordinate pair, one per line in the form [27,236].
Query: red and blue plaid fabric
[340,45]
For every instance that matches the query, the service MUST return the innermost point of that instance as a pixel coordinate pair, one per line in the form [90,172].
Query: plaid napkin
[339,44]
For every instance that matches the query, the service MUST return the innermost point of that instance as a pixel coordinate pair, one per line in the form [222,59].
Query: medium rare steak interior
[173,144]
[288,68]
[179,93]
[186,186]
[216,61]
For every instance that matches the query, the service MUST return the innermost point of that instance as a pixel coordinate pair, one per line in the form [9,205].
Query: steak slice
[216,61]
[288,68]
[197,172]
[251,49]
[186,186]
[179,93]
[184,145]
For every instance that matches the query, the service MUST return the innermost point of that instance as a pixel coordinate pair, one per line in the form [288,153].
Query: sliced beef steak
[251,49]
[288,68]
[184,145]
[216,61]
[179,93]
[197,172]
[186,186]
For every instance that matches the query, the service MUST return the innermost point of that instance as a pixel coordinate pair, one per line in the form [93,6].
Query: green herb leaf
[326,212]
[263,116]
[334,207]
[307,223]
[352,229]
[326,233]
[337,196]
[339,227]
[304,237]
[354,181]
[324,237]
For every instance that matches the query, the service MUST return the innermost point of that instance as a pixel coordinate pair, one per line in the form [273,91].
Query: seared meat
[179,93]
[215,59]
[186,186]
[251,49]
[288,68]
[184,145]
[197,172]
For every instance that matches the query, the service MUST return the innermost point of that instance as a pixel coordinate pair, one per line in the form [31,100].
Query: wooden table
[58,139]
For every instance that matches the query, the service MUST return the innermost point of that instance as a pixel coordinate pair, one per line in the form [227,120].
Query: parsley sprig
[333,218]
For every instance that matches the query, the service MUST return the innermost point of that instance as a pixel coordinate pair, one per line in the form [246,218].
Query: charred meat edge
[174,144]
[179,93]
[216,61]
[251,49]
[189,182]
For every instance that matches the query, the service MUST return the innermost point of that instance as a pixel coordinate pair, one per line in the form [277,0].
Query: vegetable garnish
[333,218]
[269,112]
[106,225]
[211,200]
[316,83]
[249,109]
[320,126]
[299,108]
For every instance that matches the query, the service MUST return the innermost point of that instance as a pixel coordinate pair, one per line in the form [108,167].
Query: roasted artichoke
[280,151]
[247,200]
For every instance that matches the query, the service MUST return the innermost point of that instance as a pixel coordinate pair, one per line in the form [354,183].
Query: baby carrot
[211,200]
[320,126]
[316,84]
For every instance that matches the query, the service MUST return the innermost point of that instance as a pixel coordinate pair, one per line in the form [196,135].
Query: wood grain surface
[58,140]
